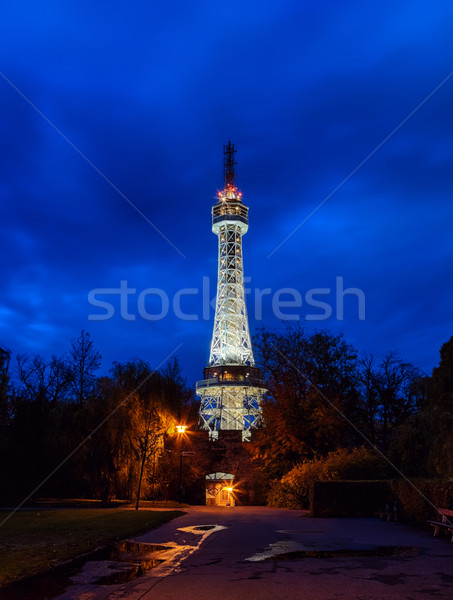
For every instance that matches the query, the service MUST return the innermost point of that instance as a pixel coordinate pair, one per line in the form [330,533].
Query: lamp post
[181,429]
[180,476]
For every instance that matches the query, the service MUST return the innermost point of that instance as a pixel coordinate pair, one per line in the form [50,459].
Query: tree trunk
[142,467]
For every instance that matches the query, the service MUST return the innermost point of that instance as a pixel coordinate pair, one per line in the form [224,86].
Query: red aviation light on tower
[229,194]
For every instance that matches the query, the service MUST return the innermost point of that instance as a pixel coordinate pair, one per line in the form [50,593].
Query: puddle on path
[118,564]
[288,550]
[395,551]
[201,529]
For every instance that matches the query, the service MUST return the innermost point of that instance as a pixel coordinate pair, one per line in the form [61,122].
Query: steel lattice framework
[232,390]
[231,338]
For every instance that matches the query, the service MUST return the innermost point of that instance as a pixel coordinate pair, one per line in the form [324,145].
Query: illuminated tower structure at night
[232,389]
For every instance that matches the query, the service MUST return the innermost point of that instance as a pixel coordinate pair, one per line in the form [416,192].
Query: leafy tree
[139,406]
[441,393]
[175,391]
[312,386]
[410,445]
[439,413]
[149,422]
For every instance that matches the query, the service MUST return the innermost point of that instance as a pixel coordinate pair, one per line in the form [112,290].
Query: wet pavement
[118,564]
[254,552]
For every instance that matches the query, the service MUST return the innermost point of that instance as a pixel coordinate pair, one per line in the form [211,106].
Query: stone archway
[219,489]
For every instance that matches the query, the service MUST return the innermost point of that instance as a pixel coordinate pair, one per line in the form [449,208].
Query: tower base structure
[230,407]
[232,389]
[230,399]
[231,478]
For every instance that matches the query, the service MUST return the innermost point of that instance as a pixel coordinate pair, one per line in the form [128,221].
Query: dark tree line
[114,434]
[324,396]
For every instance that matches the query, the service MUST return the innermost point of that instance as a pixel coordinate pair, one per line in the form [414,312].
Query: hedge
[416,501]
[348,498]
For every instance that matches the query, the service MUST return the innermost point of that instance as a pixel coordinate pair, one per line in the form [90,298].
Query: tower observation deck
[232,389]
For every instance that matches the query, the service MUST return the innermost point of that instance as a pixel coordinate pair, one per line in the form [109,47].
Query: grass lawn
[35,541]
[84,503]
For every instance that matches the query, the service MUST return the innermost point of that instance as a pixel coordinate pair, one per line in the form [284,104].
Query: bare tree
[44,381]
[391,393]
[395,385]
[368,378]
[84,361]
[5,357]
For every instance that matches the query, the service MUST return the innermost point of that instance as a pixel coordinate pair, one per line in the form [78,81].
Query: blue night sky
[149,92]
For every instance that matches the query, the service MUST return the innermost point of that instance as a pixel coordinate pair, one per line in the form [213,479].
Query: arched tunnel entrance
[220,489]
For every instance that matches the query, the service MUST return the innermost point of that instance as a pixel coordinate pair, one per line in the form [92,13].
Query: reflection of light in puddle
[120,564]
[124,562]
[179,553]
[141,558]
[201,529]
[289,550]
[281,547]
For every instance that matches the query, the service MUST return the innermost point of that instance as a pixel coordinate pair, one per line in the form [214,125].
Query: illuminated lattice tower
[232,389]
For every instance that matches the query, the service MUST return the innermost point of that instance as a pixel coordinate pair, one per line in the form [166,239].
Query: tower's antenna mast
[229,163]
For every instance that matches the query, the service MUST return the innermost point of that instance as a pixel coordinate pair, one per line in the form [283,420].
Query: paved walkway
[258,553]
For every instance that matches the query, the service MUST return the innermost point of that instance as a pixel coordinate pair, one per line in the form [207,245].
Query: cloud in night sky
[150,93]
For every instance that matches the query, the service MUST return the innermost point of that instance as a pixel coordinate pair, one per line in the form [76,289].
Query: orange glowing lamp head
[181,429]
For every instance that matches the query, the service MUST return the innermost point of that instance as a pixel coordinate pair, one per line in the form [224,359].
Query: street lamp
[181,429]
[230,495]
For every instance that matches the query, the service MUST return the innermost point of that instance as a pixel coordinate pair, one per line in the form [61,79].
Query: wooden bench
[446,524]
